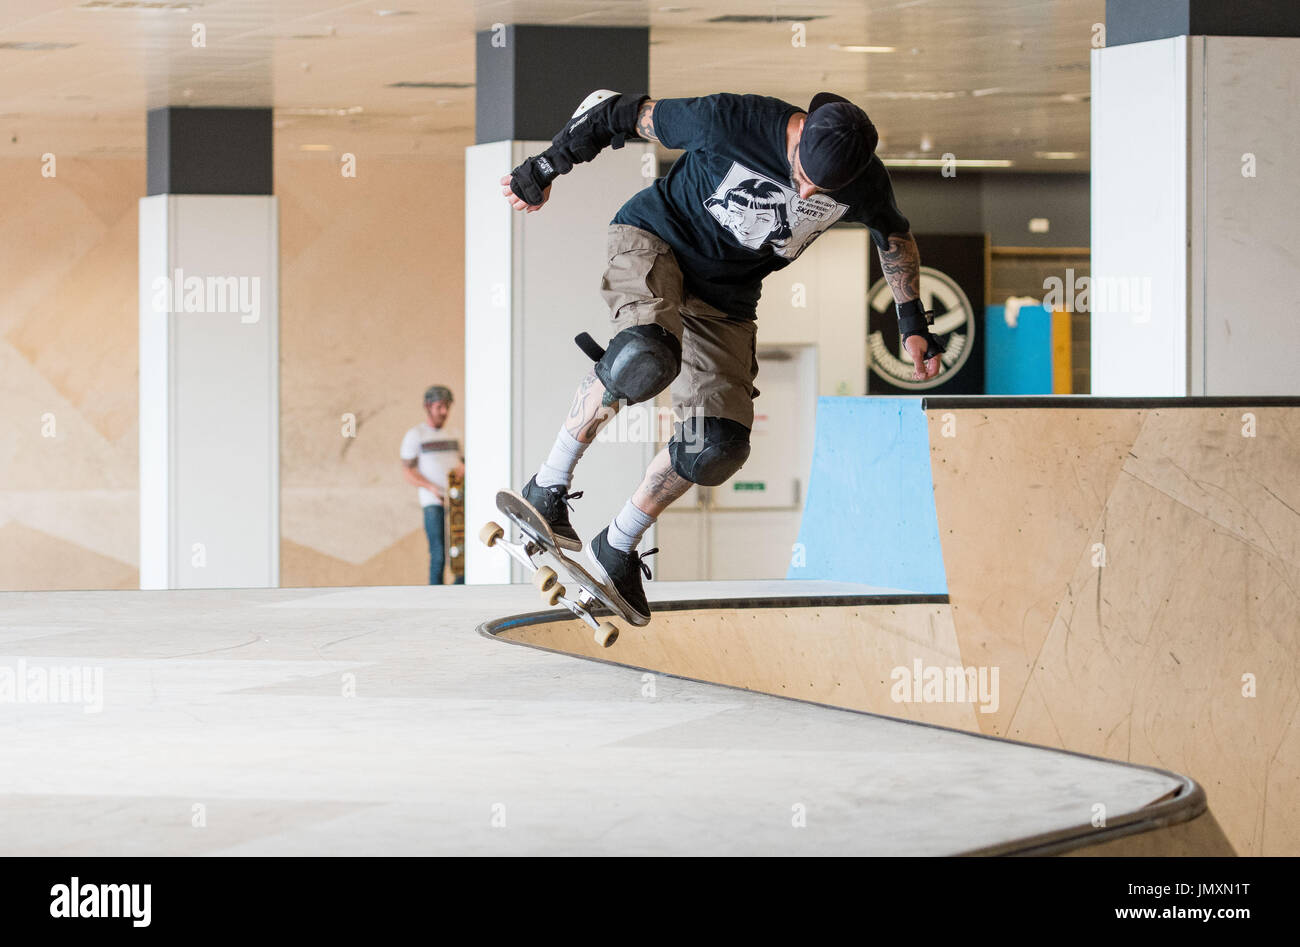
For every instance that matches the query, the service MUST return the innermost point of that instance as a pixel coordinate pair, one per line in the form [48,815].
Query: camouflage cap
[437,393]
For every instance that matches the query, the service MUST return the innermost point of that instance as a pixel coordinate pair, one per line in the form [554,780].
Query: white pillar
[209,392]
[1194,216]
[532,282]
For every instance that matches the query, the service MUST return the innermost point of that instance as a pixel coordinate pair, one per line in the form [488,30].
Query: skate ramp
[1133,568]
[859,653]
[366,722]
[1129,568]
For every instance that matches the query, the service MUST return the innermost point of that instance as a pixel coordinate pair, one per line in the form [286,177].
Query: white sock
[627,528]
[564,457]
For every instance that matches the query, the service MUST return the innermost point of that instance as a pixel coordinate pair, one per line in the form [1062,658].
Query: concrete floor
[375,721]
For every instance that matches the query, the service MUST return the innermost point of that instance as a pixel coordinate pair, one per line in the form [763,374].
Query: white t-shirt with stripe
[438,451]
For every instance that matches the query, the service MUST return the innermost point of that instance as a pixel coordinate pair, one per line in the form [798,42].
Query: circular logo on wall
[954,326]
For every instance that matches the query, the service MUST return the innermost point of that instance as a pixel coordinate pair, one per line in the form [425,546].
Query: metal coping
[1089,401]
[1187,803]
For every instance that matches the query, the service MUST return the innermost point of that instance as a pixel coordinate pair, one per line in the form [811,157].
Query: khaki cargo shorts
[643,286]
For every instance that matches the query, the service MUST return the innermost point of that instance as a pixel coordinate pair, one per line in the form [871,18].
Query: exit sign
[752,486]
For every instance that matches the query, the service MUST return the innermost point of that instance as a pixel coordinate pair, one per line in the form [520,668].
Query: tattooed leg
[661,486]
[588,413]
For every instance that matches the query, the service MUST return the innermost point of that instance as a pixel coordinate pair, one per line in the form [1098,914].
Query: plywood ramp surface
[842,655]
[1135,575]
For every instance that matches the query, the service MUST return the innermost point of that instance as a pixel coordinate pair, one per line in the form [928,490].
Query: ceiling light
[430,85]
[950,163]
[394,13]
[918,95]
[351,110]
[138,6]
[1058,155]
[849,48]
[766,18]
[32,46]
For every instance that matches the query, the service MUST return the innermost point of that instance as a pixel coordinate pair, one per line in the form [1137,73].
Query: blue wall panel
[870,512]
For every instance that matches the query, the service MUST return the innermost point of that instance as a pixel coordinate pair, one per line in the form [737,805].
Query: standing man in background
[430,451]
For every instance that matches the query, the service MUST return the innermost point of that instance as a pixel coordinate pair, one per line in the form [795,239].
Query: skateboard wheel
[454,552]
[544,578]
[454,493]
[606,634]
[490,533]
[553,596]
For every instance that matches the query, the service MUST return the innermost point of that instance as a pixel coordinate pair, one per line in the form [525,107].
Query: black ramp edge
[1088,401]
[1188,801]
[491,628]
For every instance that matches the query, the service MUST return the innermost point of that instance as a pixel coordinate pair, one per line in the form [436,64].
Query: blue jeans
[434,518]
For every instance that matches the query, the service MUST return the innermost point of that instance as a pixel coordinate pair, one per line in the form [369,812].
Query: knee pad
[707,451]
[641,361]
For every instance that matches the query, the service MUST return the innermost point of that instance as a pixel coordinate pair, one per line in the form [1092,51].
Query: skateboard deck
[539,554]
[456,525]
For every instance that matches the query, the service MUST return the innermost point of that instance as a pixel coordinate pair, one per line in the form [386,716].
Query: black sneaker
[553,504]
[621,572]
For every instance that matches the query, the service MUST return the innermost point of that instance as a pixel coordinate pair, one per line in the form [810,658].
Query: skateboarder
[760,179]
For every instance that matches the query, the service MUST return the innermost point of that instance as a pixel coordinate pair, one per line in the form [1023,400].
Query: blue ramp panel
[870,512]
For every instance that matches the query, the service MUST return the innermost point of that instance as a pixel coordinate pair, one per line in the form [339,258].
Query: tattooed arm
[645,126]
[902,267]
[901,264]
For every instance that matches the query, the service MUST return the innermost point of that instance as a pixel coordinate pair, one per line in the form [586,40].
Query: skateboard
[456,525]
[538,553]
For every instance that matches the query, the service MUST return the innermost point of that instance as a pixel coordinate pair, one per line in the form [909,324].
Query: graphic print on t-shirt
[757,210]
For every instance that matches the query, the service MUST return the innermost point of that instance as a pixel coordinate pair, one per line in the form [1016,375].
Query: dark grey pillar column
[210,151]
[1138,21]
[530,78]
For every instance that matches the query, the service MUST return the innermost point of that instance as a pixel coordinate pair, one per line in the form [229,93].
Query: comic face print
[754,210]
[758,211]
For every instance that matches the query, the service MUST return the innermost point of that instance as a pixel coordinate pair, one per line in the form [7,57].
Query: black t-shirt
[728,208]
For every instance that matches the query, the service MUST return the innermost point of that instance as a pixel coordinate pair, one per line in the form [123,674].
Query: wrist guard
[602,119]
[914,320]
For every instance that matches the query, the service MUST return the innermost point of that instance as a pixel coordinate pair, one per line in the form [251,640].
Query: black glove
[610,121]
[914,320]
[535,175]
